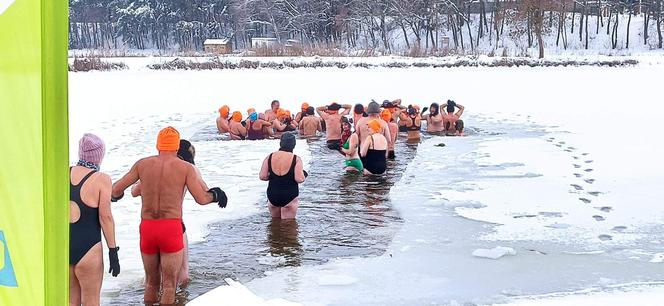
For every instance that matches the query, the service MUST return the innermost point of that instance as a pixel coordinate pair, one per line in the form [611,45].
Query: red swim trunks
[161,236]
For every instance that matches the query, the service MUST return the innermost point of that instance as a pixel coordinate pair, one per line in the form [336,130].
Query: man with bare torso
[362,129]
[271,113]
[164,178]
[332,119]
[222,120]
[309,123]
[452,121]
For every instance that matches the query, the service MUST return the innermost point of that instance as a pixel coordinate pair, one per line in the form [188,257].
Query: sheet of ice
[235,294]
[633,295]
[494,253]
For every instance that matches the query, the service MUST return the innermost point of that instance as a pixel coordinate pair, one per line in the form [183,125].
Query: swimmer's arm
[386,133]
[265,123]
[461,108]
[127,180]
[320,125]
[321,111]
[299,171]
[347,108]
[278,125]
[219,127]
[197,187]
[105,215]
[136,190]
[242,131]
[263,174]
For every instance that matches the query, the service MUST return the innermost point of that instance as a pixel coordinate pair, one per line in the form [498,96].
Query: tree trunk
[614,35]
[587,29]
[599,16]
[629,21]
[646,19]
[659,23]
[405,35]
[528,29]
[470,34]
[539,21]
[573,14]
[608,23]
[581,21]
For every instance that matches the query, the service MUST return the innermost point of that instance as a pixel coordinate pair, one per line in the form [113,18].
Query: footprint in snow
[589,170]
[589,181]
[605,208]
[577,187]
[619,228]
[598,218]
[584,200]
[605,237]
[594,193]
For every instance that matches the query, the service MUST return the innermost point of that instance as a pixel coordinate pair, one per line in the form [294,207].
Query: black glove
[305,173]
[424,110]
[243,123]
[219,196]
[114,262]
[114,199]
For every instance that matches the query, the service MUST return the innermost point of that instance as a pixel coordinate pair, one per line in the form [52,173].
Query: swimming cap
[184,153]
[168,139]
[281,113]
[334,107]
[91,149]
[386,115]
[253,116]
[358,109]
[237,116]
[373,108]
[251,110]
[287,142]
[374,125]
[304,106]
[450,106]
[223,111]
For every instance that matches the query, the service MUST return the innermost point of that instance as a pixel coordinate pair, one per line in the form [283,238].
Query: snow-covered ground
[566,171]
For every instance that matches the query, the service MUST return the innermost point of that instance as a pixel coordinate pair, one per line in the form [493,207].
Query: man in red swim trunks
[163,180]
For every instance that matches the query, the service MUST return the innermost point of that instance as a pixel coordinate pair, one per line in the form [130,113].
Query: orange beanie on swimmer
[224,111]
[237,116]
[168,139]
[281,113]
[386,115]
[374,125]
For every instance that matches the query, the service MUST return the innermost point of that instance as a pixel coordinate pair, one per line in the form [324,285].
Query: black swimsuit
[86,232]
[282,189]
[375,160]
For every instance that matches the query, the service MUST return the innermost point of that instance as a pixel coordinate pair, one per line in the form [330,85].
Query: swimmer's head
[281,113]
[374,126]
[333,108]
[186,151]
[310,111]
[387,104]
[251,110]
[434,109]
[345,124]
[274,105]
[168,140]
[412,112]
[450,106]
[237,116]
[386,115]
[287,142]
[253,116]
[304,106]
[91,149]
[373,108]
[358,109]
[224,111]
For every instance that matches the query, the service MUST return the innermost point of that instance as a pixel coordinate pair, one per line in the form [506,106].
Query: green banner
[34,178]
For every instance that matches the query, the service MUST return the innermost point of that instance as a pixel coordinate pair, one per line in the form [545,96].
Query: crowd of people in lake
[365,135]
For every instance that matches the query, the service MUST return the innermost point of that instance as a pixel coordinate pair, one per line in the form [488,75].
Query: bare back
[222,125]
[163,181]
[309,126]
[333,125]
[237,131]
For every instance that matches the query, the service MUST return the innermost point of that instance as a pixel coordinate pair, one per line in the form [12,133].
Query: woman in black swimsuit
[284,171]
[374,150]
[89,215]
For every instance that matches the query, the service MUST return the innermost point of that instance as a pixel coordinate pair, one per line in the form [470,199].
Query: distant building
[217,46]
[263,42]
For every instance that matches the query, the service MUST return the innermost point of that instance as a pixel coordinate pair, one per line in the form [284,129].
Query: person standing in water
[358,113]
[271,113]
[434,119]
[374,149]
[256,127]
[386,115]
[302,113]
[163,180]
[332,119]
[352,152]
[310,124]
[284,123]
[186,152]
[412,121]
[284,171]
[453,123]
[222,120]
[89,216]
[235,127]
[362,127]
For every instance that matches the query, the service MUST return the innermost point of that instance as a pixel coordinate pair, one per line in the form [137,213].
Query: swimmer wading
[34,191]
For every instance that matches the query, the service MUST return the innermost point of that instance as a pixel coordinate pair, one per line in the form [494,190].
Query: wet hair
[358,109]
[436,106]
[387,104]
[287,142]
[184,153]
[310,111]
[450,106]
[334,107]
[412,111]
[373,108]
[274,102]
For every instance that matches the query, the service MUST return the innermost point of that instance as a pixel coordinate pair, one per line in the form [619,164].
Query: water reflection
[283,240]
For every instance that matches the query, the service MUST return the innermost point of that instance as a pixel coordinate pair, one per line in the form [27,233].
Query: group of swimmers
[367,141]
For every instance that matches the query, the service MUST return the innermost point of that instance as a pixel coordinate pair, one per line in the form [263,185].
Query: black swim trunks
[334,144]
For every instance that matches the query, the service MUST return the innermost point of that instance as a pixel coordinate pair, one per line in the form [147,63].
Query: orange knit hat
[223,111]
[386,115]
[374,125]
[168,139]
[281,113]
[237,116]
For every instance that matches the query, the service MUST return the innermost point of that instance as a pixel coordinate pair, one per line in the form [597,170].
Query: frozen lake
[564,168]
